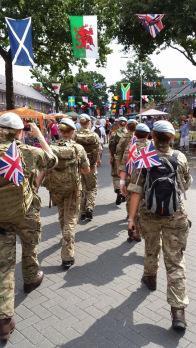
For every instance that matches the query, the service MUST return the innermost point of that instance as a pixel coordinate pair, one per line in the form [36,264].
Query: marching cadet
[64,185]
[91,143]
[113,142]
[21,211]
[163,219]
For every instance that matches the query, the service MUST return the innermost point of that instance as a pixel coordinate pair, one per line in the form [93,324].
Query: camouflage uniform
[89,181]
[27,228]
[120,132]
[68,203]
[170,232]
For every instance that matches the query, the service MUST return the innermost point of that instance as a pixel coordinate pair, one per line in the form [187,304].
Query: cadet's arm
[133,208]
[37,133]
[85,170]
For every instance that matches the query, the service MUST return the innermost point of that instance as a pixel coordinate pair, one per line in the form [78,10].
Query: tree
[133,75]
[179,21]
[51,36]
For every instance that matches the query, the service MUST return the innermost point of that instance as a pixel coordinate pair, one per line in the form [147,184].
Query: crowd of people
[68,169]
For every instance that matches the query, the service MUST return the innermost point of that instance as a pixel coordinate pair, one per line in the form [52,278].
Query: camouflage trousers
[170,234]
[68,207]
[89,192]
[115,177]
[29,231]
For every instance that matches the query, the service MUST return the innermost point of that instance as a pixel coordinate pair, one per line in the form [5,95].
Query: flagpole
[141,91]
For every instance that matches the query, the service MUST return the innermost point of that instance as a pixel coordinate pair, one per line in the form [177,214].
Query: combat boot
[7,326]
[32,286]
[67,264]
[89,214]
[178,318]
[83,217]
[150,282]
[118,198]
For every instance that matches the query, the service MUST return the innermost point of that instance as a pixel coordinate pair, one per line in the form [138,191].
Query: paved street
[100,302]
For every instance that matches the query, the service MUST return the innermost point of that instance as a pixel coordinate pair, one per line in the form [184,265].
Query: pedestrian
[141,140]
[54,130]
[107,129]
[113,142]
[64,185]
[91,143]
[163,220]
[184,135]
[20,212]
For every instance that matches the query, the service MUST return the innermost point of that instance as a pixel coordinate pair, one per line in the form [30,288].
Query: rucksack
[113,142]
[98,131]
[90,143]
[15,201]
[65,176]
[162,196]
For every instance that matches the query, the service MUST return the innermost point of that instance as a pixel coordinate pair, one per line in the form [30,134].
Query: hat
[164,126]
[85,117]
[11,120]
[142,127]
[68,122]
[132,120]
[122,119]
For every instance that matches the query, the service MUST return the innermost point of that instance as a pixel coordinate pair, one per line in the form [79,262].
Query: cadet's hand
[123,188]
[98,163]
[35,130]
[131,224]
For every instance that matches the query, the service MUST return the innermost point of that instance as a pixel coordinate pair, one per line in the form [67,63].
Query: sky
[170,62]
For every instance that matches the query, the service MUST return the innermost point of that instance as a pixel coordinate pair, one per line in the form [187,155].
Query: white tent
[153,112]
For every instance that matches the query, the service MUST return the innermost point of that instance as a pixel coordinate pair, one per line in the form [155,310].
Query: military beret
[164,126]
[85,117]
[142,127]
[68,122]
[132,120]
[11,120]
[122,119]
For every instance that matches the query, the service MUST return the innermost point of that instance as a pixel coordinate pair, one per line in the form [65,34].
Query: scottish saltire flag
[152,23]
[132,155]
[71,100]
[11,165]
[84,36]
[147,157]
[20,37]
[125,90]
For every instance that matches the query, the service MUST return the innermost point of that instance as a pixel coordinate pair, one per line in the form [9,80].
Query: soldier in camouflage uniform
[141,134]
[91,143]
[170,232]
[113,142]
[64,184]
[27,227]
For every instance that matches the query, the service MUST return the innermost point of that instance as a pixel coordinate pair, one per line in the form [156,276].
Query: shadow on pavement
[117,328]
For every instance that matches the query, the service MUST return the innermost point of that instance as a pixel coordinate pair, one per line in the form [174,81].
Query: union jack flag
[132,155]
[147,157]
[11,165]
[152,23]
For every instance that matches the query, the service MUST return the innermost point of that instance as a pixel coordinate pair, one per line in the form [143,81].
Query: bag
[91,145]
[98,131]
[15,201]
[162,196]
[65,177]
[113,142]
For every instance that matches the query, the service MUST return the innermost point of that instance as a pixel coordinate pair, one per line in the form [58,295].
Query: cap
[68,122]
[72,114]
[85,117]
[132,120]
[163,126]
[142,127]
[11,120]
[122,119]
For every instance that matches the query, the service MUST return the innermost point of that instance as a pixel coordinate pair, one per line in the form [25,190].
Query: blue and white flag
[20,36]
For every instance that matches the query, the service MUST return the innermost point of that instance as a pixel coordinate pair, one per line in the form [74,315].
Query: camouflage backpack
[90,142]
[65,177]
[15,200]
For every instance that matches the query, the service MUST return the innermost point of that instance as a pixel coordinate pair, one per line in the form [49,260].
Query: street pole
[141,90]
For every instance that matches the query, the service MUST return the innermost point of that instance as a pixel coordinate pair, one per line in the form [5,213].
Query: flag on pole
[125,90]
[84,36]
[71,101]
[20,37]
[85,99]
[11,165]
[152,23]
[56,87]
[83,87]
[147,157]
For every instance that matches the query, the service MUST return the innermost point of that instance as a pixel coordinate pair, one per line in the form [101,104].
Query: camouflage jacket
[122,145]
[115,138]
[91,143]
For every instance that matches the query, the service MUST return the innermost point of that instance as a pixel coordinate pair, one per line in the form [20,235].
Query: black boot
[89,214]
[178,319]
[119,197]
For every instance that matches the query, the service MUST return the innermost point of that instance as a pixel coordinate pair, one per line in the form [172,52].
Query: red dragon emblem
[84,37]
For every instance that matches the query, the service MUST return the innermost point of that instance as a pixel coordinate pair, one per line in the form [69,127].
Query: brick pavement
[100,301]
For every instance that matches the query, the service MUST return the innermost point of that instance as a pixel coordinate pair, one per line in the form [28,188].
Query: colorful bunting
[85,99]
[56,87]
[84,36]
[83,87]
[71,101]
